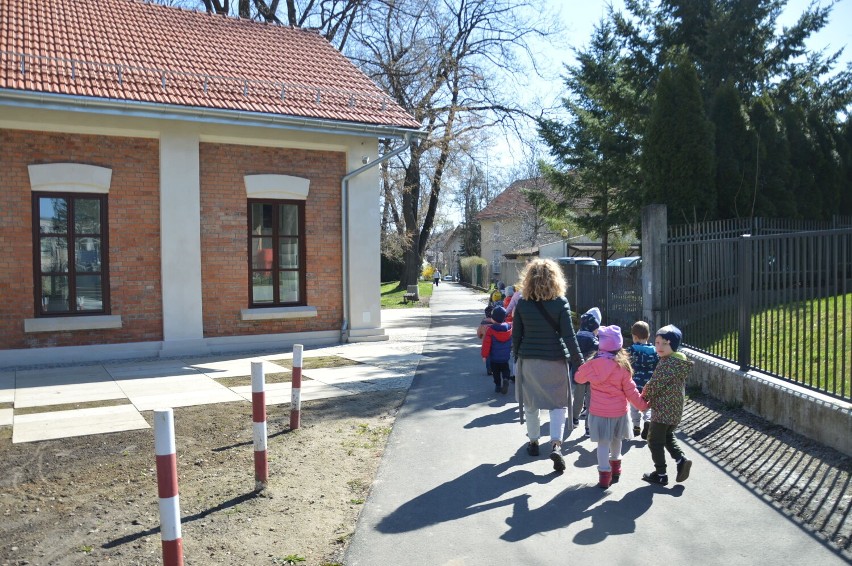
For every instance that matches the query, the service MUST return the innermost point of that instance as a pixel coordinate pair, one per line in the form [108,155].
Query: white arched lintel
[70,178]
[285,187]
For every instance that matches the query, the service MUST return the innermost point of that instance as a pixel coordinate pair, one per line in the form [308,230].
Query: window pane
[53,215]
[89,293]
[288,220]
[54,255]
[289,286]
[261,219]
[87,216]
[88,254]
[262,256]
[261,287]
[54,293]
[288,257]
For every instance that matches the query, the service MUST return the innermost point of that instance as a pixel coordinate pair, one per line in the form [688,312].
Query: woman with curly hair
[543,341]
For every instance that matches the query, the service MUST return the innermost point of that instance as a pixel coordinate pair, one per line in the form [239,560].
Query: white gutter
[138,109]
[344,195]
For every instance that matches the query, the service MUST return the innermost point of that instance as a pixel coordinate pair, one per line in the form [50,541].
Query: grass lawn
[809,342]
[392,295]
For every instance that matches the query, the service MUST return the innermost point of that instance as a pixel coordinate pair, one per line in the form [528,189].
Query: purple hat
[610,339]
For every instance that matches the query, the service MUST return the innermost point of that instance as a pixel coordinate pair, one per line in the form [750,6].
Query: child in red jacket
[497,349]
[611,379]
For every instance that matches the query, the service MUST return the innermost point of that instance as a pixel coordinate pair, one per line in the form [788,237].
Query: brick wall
[134,234]
[224,229]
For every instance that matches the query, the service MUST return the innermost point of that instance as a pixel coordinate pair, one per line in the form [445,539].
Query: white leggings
[557,423]
[608,451]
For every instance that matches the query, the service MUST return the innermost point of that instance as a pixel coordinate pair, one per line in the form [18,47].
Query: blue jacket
[588,343]
[643,358]
[497,344]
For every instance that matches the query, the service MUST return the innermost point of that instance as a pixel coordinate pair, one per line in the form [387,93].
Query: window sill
[66,323]
[278,313]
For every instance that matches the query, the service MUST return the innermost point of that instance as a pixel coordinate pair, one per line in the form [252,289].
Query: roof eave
[140,109]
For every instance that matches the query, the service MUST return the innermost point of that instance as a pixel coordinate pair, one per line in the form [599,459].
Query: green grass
[392,295]
[808,342]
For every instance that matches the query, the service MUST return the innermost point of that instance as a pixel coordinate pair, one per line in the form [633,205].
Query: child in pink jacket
[611,379]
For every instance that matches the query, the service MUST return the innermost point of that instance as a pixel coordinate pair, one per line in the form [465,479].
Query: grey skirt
[542,384]
[606,429]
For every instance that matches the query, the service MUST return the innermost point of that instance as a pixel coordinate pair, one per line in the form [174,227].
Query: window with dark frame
[70,254]
[276,253]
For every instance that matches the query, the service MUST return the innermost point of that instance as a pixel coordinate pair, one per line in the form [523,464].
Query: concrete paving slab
[162,368]
[218,369]
[79,422]
[149,393]
[381,357]
[349,374]
[7,386]
[57,386]
[6,417]
[281,393]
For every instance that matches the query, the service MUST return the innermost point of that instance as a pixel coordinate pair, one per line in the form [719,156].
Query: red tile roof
[512,201]
[133,51]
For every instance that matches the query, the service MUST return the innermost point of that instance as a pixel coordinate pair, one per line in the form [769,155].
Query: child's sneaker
[636,430]
[505,387]
[587,433]
[558,460]
[655,478]
[645,428]
[683,467]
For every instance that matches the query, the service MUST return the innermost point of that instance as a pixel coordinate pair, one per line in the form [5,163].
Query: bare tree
[446,62]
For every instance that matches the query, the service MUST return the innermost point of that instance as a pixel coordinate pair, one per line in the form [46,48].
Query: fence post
[744,281]
[167,487]
[296,391]
[654,236]
[258,417]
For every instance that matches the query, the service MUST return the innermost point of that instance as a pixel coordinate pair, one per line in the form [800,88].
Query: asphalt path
[456,487]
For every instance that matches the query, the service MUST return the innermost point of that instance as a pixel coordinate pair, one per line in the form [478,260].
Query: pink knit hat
[609,338]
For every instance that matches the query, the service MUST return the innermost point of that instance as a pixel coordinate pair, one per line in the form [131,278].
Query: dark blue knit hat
[671,333]
[498,314]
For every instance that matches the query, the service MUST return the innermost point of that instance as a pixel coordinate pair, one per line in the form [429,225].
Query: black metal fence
[780,303]
[618,295]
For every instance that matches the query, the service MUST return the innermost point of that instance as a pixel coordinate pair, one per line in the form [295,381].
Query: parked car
[577,261]
[631,261]
[448,277]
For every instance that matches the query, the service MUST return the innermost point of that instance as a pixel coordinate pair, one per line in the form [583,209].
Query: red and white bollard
[258,417]
[296,395]
[167,487]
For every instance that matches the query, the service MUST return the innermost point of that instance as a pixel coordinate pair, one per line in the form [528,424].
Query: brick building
[174,182]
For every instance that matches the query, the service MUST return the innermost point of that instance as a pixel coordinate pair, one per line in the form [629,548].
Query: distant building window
[70,253]
[276,252]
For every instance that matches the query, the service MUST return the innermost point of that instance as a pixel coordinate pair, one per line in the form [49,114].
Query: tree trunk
[410,202]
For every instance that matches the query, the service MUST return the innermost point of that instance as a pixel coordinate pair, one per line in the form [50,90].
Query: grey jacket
[534,337]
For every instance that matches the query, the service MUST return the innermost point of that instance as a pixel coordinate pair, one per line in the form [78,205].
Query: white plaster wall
[364,236]
[180,235]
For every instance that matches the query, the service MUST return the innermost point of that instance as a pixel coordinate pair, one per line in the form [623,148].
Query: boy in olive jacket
[665,394]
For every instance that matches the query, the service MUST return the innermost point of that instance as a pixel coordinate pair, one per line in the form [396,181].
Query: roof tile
[132,50]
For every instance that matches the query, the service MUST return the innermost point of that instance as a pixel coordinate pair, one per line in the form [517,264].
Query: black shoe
[532,448]
[683,468]
[576,422]
[587,432]
[558,460]
[636,430]
[512,378]
[497,389]
[655,478]
[505,387]
[645,428]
